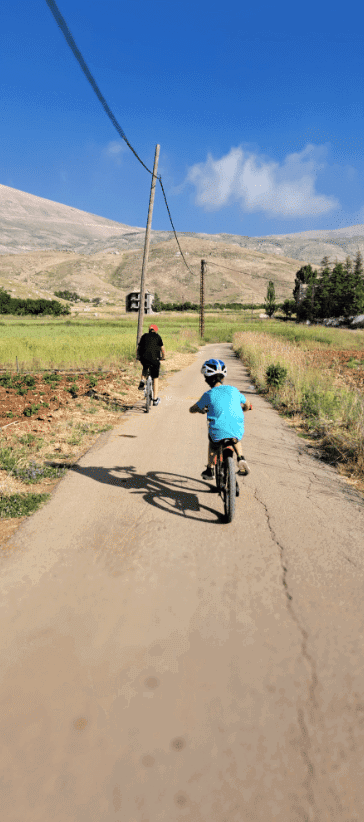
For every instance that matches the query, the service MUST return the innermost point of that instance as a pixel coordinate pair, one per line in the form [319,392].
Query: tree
[157,305]
[330,293]
[289,307]
[270,300]
[357,286]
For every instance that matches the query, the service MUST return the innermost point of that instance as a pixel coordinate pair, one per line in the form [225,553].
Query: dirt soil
[63,418]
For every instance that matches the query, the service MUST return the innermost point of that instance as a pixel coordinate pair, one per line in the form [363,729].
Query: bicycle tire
[218,476]
[229,488]
[148,394]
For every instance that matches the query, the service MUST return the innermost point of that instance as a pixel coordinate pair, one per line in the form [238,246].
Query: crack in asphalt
[312,706]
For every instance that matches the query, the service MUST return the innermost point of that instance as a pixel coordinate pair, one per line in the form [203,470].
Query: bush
[276,375]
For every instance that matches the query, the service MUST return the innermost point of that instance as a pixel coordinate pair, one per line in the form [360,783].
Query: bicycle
[226,482]
[148,392]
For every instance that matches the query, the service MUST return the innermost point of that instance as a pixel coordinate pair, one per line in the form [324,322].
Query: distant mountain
[30,223]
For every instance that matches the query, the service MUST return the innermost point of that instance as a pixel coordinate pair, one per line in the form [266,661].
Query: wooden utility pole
[146,245]
[202,298]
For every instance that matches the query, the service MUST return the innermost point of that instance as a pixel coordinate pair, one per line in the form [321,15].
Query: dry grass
[315,397]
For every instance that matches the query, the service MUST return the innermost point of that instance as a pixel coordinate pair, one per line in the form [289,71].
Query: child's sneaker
[243,466]
[141,385]
[208,473]
[157,401]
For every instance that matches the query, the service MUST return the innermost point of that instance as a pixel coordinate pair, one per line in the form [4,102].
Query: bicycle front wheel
[230,489]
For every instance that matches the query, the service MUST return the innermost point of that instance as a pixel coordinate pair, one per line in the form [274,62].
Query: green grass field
[91,343]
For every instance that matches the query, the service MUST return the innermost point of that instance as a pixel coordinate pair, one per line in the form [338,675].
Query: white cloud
[114,149]
[260,184]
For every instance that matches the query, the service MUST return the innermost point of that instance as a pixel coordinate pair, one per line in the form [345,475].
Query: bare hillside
[33,223]
[233,273]
[46,247]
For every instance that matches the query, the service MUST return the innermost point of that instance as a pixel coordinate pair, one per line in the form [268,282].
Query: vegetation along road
[160,664]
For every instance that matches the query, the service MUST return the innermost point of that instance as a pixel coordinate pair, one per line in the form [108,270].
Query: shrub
[32,409]
[276,375]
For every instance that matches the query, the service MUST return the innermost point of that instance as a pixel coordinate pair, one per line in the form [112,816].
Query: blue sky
[258,110]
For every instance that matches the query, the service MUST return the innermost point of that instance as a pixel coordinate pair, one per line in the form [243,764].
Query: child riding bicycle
[224,405]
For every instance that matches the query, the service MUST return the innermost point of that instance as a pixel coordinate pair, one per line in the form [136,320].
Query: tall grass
[84,344]
[91,343]
[330,412]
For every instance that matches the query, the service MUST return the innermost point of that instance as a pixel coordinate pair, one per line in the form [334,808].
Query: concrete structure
[132,301]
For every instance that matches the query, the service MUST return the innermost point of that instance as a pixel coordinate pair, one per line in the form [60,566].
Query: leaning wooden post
[146,245]
[202,299]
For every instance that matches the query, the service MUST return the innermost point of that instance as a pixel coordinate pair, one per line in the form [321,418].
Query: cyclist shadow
[174,493]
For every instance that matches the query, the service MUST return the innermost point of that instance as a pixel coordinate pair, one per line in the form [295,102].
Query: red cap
[153,328]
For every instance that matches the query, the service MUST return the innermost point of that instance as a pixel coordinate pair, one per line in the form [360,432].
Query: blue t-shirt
[224,412]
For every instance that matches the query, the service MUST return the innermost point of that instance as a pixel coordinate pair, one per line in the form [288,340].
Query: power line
[174,230]
[217,265]
[71,42]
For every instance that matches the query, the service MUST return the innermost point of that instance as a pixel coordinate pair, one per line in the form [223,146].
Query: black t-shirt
[150,346]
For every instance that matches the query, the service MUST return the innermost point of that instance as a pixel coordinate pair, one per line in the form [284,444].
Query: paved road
[158,664]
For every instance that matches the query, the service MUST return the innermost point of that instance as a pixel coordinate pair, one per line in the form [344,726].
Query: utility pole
[146,245]
[202,298]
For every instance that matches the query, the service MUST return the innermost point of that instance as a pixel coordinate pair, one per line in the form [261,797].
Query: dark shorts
[215,445]
[152,366]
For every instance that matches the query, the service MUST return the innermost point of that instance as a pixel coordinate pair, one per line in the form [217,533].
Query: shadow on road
[173,493]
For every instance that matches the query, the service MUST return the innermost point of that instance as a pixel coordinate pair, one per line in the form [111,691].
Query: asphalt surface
[159,664]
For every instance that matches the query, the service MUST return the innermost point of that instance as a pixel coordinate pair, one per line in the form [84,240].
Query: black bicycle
[226,482]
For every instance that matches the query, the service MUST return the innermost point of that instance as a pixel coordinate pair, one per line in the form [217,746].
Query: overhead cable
[217,265]
[70,40]
[174,230]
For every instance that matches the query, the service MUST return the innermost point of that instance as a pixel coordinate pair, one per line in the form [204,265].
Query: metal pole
[146,245]
[202,299]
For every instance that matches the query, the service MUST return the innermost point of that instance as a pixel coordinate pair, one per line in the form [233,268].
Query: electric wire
[76,52]
[174,230]
[71,42]
[217,265]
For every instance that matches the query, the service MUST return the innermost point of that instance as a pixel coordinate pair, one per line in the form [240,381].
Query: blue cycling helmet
[212,368]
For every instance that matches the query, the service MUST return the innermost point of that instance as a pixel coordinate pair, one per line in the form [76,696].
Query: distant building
[132,301]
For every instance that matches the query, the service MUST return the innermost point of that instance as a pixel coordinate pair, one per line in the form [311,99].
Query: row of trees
[15,305]
[158,305]
[73,297]
[336,291]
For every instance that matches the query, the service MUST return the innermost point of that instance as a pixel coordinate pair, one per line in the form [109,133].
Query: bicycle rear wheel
[230,488]
[218,473]
[148,394]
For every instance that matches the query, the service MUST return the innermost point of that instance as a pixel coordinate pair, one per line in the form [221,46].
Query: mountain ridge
[47,246]
[32,223]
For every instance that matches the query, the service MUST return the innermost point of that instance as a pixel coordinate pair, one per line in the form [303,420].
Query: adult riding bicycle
[150,351]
